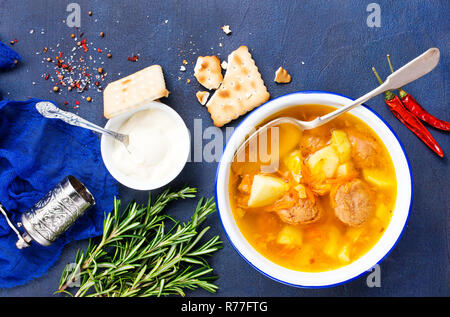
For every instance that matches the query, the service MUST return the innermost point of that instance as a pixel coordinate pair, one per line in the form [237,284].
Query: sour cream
[156,139]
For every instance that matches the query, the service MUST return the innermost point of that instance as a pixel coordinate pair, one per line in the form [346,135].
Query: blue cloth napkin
[7,57]
[35,154]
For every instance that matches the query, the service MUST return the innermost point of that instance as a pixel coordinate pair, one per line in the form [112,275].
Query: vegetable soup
[327,202]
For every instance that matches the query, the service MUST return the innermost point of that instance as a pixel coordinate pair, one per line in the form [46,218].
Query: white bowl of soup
[326,205]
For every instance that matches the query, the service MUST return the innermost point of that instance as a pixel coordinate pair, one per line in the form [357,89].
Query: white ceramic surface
[354,269]
[107,146]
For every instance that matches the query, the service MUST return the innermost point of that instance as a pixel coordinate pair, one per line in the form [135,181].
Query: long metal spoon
[49,110]
[415,69]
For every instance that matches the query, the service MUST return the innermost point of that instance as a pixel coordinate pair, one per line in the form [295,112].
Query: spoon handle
[49,110]
[415,69]
[332,115]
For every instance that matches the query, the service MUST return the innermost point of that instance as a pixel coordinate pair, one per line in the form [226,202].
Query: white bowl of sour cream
[159,145]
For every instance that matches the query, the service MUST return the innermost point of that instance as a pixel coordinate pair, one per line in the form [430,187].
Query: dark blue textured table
[325,45]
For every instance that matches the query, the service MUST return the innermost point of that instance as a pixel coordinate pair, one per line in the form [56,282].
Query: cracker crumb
[282,76]
[224,65]
[226,29]
[185,62]
[208,71]
[182,69]
[202,97]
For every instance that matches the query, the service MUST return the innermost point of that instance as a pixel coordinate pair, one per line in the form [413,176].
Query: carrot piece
[310,194]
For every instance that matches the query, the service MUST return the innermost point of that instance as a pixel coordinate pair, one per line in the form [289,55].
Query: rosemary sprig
[137,255]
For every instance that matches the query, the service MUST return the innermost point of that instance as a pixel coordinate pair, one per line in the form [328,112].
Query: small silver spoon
[415,69]
[49,110]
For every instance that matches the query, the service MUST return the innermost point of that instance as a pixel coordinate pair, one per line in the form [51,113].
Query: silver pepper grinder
[53,214]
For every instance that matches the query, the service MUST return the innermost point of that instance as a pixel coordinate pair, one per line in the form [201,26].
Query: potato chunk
[331,247]
[290,236]
[341,145]
[266,190]
[289,136]
[301,190]
[324,162]
[294,163]
[345,169]
[344,254]
[376,177]
[383,212]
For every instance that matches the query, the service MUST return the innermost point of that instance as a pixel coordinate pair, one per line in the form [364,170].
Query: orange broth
[328,243]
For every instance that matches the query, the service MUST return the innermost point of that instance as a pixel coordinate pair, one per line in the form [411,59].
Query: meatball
[304,212]
[311,143]
[353,203]
[364,149]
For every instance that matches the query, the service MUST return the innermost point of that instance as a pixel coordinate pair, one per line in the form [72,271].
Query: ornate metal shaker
[54,213]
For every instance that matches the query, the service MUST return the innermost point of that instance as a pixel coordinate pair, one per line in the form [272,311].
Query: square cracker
[134,91]
[242,89]
[208,71]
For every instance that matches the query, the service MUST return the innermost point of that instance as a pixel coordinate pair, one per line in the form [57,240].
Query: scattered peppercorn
[97,83]
[83,43]
[78,43]
[102,34]
[72,35]
[16,62]
[81,34]
[100,70]
[49,59]
[88,99]
[109,55]
[69,88]
[45,49]
[12,42]
[56,89]
[90,13]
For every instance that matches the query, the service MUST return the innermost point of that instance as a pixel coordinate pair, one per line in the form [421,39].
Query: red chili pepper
[409,119]
[133,58]
[412,105]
